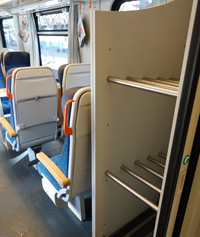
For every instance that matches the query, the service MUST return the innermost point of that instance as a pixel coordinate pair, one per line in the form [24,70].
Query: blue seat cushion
[6,105]
[2,80]
[61,161]
[4,100]
[12,123]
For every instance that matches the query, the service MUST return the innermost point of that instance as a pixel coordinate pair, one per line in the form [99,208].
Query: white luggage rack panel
[132,124]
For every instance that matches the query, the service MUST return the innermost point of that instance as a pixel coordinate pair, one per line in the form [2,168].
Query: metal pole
[148,169]
[126,169]
[162,155]
[120,182]
[155,161]
[141,85]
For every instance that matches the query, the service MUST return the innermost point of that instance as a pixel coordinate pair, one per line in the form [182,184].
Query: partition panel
[129,124]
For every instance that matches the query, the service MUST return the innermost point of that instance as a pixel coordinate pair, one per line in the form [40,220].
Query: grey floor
[25,209]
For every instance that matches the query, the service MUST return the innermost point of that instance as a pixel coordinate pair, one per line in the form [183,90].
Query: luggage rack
[141,179]
[159,85]
[168,86]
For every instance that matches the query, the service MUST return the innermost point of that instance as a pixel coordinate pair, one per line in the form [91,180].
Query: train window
[52,30]
[129,5]
[55,21]
[8,34]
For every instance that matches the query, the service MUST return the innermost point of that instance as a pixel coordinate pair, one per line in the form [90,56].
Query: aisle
[25,209]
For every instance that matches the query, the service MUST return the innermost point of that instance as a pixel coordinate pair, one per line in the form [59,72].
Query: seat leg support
[32,157]
[77,206]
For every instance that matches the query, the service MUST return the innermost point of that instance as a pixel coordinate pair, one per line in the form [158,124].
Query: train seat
[67,176]
[14,59]
[76,75]
[34,102]
[73,75]
[10,59]
[60,78]
[60,73]
[4,104]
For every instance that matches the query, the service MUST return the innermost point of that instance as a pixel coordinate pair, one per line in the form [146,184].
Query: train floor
[25,209]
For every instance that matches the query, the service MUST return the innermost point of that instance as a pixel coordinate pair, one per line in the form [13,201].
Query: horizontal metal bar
[143,86]
[155,161]
[124,185]
[126,169]
[162,155]
[54,33]
[173,81]
[163,82]
[155,83]
[145,167]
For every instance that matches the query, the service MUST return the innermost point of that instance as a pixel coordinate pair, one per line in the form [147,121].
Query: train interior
[99,118]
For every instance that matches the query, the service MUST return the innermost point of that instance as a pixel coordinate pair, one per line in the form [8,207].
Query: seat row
[32,96]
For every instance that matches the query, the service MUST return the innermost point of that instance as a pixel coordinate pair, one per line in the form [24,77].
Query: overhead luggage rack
[159,85]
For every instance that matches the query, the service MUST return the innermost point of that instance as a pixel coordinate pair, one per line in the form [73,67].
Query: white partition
[129,124]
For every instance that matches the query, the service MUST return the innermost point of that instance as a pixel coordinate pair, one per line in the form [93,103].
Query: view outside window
[54,50]
[130,6]
[53,39]
[57,21]
[8,29]
[139,4]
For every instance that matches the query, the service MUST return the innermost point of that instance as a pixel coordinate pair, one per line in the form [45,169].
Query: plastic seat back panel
[83,126]
[32,112]
[37,135]
[78,75]
[39,82]
[80,148]
[35,102]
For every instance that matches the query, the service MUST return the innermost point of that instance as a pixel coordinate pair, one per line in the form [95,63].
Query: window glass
[8,29]
[54,50]
[127,5]
[56,21]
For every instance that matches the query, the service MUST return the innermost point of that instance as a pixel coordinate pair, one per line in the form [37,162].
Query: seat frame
[17,75]
[79,168]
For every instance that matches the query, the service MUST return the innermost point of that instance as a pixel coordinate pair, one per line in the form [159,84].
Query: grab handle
[67,130]
[9,95]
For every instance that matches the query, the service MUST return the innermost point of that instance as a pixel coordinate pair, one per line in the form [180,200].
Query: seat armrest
[8,127]
[62,180]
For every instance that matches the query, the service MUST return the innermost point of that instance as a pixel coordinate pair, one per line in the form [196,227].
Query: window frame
[117,4]
[2,31]
[56,32]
